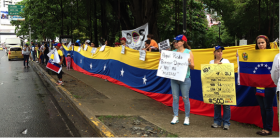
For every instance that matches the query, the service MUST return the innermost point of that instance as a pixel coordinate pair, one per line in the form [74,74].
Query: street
[27,108]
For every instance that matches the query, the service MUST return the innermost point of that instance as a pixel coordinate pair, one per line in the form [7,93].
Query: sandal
[265,133]
[259,131]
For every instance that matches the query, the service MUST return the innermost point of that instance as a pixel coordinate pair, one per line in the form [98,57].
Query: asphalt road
[25,103]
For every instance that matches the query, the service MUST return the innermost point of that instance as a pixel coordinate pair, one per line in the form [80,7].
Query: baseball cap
[87,41]
[181,37]
[218,47]
[68,54]
[26,44]
[78,41]
[123,38]
[55,44]
[58,44]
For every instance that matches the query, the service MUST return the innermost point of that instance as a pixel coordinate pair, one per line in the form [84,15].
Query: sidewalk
[117,100]
[123,101]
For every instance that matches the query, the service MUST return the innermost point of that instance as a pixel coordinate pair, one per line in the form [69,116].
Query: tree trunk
[259,16]
[176,17]
[95,24]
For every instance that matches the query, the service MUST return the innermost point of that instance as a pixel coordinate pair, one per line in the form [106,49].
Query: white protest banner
[86,46]
[93,50]
[173,65]
[123,49]
[164,45]
[79,49]
[136,38]
[50,53]
[102,48]
[142,55]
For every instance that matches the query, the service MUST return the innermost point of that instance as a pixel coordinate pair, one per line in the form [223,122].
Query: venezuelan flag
[128,71]
[255,67]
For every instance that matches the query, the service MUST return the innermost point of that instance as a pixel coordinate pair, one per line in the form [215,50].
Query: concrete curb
[101,129]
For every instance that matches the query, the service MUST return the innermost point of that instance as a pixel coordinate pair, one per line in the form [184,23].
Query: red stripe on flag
[256,80]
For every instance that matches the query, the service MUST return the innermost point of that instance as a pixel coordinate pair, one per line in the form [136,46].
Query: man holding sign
[182,58]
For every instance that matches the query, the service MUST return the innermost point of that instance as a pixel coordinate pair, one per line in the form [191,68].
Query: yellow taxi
[1,48]
[15,52]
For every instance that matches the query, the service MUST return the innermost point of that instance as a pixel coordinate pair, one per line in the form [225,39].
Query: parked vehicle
[11,42]
[15,52]
[1,48]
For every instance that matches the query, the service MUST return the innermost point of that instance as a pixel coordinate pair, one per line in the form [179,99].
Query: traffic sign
[15,9]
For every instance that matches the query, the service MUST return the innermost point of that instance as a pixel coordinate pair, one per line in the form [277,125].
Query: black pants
[59,75]
[25,58]
[46,58]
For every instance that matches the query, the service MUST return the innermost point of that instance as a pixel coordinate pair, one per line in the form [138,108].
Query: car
[1,48]
[15,52]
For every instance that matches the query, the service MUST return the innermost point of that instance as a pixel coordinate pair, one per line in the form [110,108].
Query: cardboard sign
[164,45]
[142,55]
[173,65]
[102,48]
[86,46]
[93,50]
[218,84]
[79,49]
[69,44]
[123,49]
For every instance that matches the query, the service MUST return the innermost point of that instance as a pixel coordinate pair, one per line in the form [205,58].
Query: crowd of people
[180,45]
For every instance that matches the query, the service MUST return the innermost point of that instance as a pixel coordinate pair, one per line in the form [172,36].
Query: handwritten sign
[79,49]
[173,65]
[86,46]
[164,45]
[102,48]
[123,49]
[93,50]
[218,83]
[142,55]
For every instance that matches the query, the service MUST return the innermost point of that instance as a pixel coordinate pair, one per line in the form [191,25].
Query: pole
[184,17]
[29,35]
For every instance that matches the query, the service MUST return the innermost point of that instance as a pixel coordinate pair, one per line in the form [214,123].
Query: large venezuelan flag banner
[127,70]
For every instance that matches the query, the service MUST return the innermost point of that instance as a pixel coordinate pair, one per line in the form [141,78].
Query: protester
[177,86]
[42,53]
[123,41]
[266,102]
[78,43]
[64,61]
[218,59]
[59,75]
[147,45]
[275,73]
[117,44]
[46,51]
[37,53]
[92,44]
[26,52]
[68,58]
[33,52]
[153,44]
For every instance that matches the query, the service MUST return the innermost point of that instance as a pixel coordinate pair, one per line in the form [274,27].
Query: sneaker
[226,127]
[60,83]
[215,125]
[187,121]
[175,120]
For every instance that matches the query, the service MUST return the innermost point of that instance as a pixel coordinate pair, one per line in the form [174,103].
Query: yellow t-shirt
[36,48]
[60,53]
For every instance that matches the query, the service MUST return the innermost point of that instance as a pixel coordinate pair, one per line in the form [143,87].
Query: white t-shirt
[223,61]
[275,71]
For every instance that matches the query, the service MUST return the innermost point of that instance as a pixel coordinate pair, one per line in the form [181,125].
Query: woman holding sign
[218,59]
[182,46]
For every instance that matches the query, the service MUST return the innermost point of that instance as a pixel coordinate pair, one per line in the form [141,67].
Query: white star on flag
[122,71]
[259,65]
[265,65]
[90,65]
[144,80]
[254,71]
[262,64]
[81,61]
[104,67]
[269,68]
[256,68]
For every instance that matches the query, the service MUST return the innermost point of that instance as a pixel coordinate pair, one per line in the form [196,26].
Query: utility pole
[29,35]
[184,17]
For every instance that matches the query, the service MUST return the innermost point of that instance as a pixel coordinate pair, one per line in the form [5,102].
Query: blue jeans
[185,86]
[33,55]
[266,104]
[218,117]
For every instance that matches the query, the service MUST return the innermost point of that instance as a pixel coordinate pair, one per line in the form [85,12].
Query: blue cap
[181,37]
[219,47]
[78,41]
[55,44]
